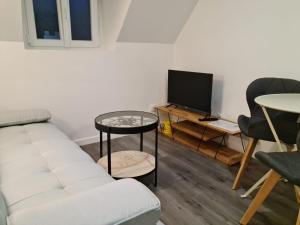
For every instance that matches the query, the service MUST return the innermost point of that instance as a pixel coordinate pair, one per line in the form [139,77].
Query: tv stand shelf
[200,136]
[198,131]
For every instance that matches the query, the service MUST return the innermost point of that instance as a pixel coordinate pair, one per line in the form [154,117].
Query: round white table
[281,102]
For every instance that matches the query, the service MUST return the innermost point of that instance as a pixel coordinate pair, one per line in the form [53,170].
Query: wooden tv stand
[200,135]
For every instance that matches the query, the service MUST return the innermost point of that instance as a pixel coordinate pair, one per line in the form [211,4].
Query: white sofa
[46,179]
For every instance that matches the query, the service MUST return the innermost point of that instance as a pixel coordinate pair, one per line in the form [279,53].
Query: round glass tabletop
[122,122]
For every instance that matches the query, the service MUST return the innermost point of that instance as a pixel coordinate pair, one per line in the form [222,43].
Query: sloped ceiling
[155,21]
[112,16]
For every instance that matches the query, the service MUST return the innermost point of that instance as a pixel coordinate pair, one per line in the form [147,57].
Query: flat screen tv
[190,90]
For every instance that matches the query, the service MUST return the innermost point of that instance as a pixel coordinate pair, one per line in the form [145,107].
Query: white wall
[76,85]
[240,41]
[112,16]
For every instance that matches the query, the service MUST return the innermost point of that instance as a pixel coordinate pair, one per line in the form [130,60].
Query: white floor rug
[159,223]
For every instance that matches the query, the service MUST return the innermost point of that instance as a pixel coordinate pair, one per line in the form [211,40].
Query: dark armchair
[282,164]
[256,126]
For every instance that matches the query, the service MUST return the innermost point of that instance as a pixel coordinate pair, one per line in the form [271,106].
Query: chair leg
[297,191]
[263,193]
[244,163]
[289,148]
[298,220]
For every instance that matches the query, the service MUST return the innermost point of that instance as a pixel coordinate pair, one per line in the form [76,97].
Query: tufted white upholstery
[11,118]
[46,179]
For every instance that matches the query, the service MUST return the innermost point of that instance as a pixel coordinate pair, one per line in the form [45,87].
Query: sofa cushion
[47,179]
[11,118]
[3,210]
[16,136]
[39,164]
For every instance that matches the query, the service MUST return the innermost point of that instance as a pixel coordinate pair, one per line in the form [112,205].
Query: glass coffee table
[128,163]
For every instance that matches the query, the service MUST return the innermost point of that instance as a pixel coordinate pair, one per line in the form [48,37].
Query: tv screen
[190,90]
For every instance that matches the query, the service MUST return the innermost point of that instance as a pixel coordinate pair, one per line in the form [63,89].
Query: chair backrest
[285,123]
[270,85]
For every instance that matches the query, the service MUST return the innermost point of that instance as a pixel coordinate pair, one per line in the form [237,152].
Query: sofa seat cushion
[38,200]
[18,153]
[28,186]
[15,170]
[75,172]
[27,134]
[59,153]
[13,136]
[39,164]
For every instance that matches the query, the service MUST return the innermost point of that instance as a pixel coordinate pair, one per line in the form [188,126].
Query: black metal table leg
[101,144]
[141,142]
[108,153]
[156,156]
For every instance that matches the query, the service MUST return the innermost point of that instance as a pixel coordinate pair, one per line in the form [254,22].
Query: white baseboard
[93,139]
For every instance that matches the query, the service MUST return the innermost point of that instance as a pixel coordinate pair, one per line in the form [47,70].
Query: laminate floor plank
[196,190]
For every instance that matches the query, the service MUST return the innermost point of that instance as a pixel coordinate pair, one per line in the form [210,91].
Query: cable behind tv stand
[195,131]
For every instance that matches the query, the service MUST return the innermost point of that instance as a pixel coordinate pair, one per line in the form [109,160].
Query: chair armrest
[120,202]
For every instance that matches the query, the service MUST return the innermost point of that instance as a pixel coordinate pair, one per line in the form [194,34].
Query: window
[61,23]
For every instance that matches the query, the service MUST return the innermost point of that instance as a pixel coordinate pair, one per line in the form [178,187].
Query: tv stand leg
[201,140]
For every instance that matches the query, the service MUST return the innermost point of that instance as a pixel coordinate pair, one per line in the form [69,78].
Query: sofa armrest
[120,202]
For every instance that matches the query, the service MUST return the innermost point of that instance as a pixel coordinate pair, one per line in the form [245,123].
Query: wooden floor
[195,190]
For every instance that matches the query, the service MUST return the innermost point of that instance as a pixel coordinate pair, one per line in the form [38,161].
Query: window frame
[64,22]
